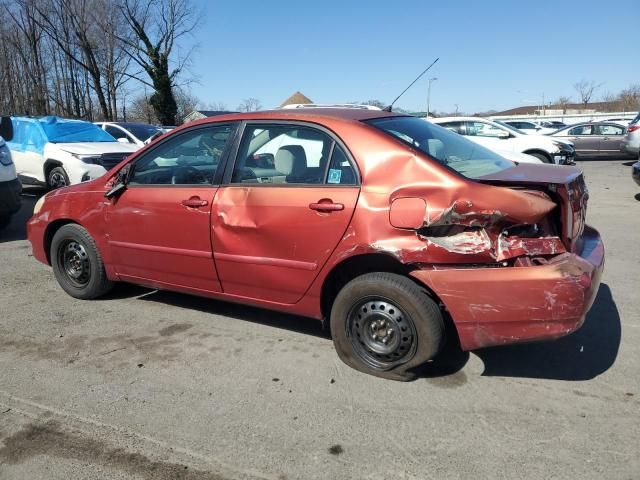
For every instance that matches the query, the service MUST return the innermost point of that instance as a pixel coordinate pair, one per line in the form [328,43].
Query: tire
[57,178]
[77,264]
[4,222]
[540,156]
[385,325]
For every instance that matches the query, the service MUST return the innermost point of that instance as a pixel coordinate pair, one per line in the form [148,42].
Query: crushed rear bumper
[497,306]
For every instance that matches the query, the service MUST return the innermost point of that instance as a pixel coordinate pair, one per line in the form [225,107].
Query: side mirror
[6,129]
[503,135]
[120,183]
[124,140]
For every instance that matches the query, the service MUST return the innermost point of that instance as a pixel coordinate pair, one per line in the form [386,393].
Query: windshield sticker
[334,175]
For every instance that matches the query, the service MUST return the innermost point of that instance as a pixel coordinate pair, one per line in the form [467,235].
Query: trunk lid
[563,184]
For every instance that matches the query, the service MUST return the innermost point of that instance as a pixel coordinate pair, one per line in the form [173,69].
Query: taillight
[633,128]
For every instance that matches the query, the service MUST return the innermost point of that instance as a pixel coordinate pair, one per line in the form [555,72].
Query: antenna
[390,107]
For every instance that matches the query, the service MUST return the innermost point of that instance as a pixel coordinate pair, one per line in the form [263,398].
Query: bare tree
[156,26]
[219,106]
[563,101]
[250,105]
[586,89]
[629,98]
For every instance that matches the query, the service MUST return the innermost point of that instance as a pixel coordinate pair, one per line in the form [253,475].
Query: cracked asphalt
[156,385]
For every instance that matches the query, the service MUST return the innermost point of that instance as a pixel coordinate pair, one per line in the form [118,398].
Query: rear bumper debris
[497,306]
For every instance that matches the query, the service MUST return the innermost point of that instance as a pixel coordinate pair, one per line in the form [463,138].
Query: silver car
[594,139]
[631,142]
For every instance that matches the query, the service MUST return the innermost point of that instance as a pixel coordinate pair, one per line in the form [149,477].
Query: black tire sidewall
[58,169]
[542,157]
[98,283]
[413,300]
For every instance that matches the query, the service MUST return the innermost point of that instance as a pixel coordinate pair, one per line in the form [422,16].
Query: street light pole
[429,95]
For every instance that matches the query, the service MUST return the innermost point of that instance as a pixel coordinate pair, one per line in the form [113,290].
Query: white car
[530,128]
[137,134]
[501,137]
[57,152]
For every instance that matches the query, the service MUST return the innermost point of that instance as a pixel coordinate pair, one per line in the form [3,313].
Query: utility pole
[429,95]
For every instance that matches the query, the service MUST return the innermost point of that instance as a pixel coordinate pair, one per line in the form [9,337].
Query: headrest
[291,160]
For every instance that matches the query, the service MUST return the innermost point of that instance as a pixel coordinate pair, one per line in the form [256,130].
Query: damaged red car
[382,224]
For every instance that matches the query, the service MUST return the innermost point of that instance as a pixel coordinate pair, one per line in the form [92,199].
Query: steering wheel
[186,174]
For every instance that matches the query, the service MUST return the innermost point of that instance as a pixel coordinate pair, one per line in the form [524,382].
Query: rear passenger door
[610,136]
[285,205]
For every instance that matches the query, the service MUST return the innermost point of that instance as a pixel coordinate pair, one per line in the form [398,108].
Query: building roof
[532,109]
[296,98]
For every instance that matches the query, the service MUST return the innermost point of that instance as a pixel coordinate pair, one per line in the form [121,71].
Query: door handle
[326,205]
[195,202]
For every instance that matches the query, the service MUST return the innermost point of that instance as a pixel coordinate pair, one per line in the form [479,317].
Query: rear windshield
[453,150]
[72,131]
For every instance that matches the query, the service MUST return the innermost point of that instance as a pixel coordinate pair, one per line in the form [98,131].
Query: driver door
[159,229]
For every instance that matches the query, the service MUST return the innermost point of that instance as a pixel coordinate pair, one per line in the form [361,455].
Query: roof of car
[303,114]
[458,119]
[130,124]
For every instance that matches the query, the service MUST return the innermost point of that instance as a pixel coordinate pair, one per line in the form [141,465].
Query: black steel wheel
[381,333]
[384,324]
[77,264]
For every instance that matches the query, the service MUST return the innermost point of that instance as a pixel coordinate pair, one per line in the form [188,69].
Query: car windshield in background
[450,149]
[72,131]
[142,132]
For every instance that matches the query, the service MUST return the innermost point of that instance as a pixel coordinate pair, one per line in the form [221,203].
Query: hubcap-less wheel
[381,334]
[75,262]
[57,180]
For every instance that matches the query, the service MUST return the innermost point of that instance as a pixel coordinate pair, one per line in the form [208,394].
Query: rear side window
[291,154]
[457,127]
[190,158]
[481,129]
[609,130]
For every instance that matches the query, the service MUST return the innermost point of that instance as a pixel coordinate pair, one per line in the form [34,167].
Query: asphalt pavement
[155,385]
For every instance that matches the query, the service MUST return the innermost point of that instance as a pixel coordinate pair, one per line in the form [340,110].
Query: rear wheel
[77,264]
[384,324]
[57,178]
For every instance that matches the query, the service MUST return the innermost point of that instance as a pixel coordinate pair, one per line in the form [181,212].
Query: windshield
[142,132]
[450,149]
[513,129]
[72,131]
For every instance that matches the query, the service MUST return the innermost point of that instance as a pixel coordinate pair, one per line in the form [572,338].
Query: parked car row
[502,137]
[56,152]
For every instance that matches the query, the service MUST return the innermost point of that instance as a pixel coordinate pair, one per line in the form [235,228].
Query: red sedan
[381,223]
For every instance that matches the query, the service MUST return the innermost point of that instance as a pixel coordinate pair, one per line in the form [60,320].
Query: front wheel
[541,157]
[77,264]
[384,324]
[57,178]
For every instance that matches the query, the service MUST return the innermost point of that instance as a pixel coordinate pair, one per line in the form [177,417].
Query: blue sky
[493,54]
